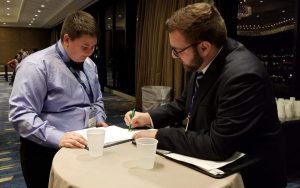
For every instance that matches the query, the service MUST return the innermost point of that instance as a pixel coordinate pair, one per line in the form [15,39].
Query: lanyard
[68,64]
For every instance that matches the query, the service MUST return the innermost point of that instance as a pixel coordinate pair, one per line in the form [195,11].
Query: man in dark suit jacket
[228,102]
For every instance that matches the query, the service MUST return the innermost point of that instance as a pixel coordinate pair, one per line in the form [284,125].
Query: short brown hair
[199,21]
[78,23]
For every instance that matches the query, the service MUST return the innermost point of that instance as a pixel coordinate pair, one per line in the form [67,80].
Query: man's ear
[204,47]
[66,39]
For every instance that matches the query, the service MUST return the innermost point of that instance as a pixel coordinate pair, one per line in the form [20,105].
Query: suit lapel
[208,80]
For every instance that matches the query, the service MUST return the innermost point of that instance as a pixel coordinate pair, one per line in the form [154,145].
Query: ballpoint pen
[132,115]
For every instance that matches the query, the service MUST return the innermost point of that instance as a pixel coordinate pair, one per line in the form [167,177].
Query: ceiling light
[43,6]
[261,1]
[29,24]
[8,1]
[33,18]
[283,11]
[8,8]
[4,23]
[36,15]
[39,11]
[7,14]
[31,21]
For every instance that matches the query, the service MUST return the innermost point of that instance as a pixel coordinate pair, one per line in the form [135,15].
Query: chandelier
[244,11]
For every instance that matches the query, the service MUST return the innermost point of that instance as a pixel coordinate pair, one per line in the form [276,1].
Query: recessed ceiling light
[283,11]
[39,11]
[33,18]
[31,21]
[7,14]
[261,1]
[257,16]
[4,23]
[43,6]
[29,24]
[8,8]
[8,1]
[36,15]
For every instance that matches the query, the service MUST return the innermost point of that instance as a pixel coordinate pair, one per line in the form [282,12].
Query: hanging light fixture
[244,11]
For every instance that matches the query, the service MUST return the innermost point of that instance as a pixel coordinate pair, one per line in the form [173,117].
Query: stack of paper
[205,164]
[113,134]
[209,167]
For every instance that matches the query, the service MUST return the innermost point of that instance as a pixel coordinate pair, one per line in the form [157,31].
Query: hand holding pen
[132,115]
[135,119]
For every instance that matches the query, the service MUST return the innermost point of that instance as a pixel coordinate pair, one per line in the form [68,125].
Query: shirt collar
[64,54]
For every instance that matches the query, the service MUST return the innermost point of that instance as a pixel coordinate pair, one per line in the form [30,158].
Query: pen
[132,115]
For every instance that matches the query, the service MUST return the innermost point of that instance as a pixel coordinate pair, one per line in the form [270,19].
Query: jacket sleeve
[171,113]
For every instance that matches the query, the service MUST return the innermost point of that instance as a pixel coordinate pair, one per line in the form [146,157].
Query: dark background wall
[13,39]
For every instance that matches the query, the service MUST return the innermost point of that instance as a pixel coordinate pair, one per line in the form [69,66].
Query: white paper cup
[297,108]
[281,109]
[95,139]
[146,149]
[288,107]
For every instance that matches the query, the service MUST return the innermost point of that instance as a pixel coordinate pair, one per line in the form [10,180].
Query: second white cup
[146,148]
[95,138]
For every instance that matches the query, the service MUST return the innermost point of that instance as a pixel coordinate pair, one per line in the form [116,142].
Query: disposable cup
[146,149]
[297,108]
[95,138]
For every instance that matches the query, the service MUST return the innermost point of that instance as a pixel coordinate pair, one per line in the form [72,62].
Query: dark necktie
[76,66]
[198,77]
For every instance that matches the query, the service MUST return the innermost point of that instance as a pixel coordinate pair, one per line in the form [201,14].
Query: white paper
[205,164]
[112,134]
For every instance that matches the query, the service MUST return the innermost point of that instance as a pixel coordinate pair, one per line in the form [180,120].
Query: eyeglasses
[176,53]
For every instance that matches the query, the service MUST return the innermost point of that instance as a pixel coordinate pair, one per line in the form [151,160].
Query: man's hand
[72,140]
[101,124]
[140,119]
[145,134]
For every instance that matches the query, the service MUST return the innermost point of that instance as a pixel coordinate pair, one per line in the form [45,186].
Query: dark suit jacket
[234,110]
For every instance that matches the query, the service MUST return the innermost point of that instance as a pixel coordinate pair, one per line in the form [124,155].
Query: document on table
[205,164]
[211,167]
[113,134]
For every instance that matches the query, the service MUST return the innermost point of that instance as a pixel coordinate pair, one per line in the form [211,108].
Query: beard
[196,62]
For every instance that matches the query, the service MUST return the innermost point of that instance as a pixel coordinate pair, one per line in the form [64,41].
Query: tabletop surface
[118,168]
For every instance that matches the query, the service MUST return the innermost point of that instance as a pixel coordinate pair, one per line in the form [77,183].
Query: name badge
[92,117]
